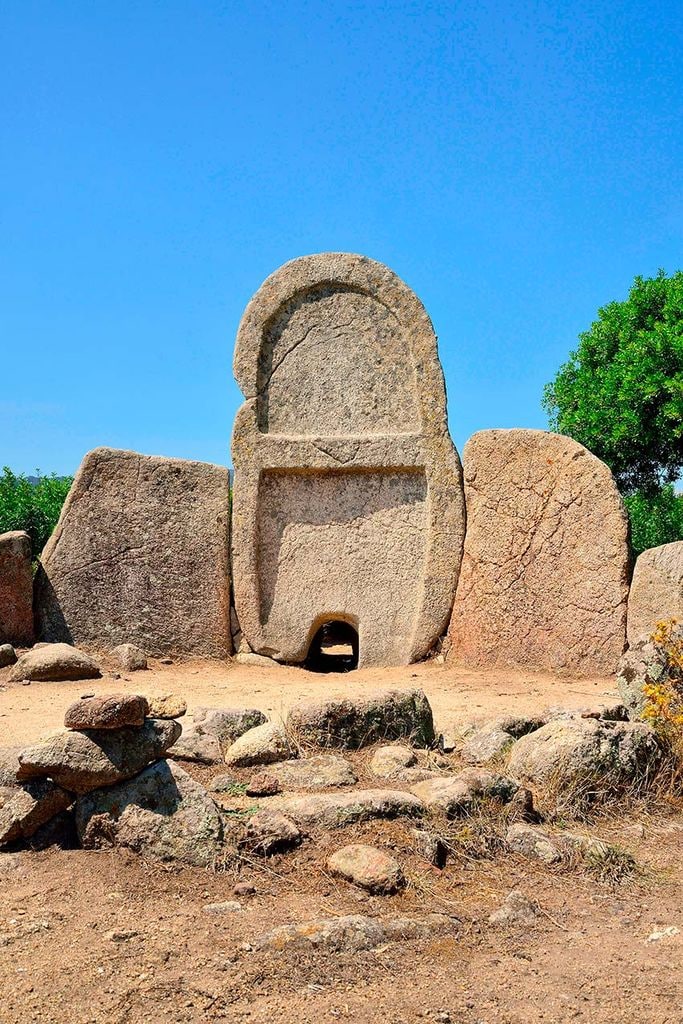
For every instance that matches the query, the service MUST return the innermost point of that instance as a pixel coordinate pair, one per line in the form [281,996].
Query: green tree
[32,505]
[656,518]
[621,392]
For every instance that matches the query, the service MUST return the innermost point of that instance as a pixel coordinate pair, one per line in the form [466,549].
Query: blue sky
[516,163]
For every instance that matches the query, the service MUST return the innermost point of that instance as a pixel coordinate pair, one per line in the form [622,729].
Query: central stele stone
[348,501]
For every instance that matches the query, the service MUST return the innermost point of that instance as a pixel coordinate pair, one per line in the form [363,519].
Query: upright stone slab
[348,502]
[16,589]
[656,593]
[140,555]
[544,578]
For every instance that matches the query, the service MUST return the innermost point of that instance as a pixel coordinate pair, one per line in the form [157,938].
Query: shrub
[32,504]
[664,699]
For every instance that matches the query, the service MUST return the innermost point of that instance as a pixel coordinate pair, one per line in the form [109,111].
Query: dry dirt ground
[107,936]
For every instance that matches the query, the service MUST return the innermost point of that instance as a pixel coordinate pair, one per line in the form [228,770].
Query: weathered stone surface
[263,783]
[269,832]
[544,577]
[112,711]
[516,909]
[324,771]
[198,746]
[533,843]
[81,761]
[25,807]
[9,765]
[656,593]
[255,660]
[140,555]
[166,705]
[161,813]
[354,932]
[361,721]
[54,662]
[643,664]
[336,810]
[456,794]
[8,655]
[367,867]
[226,724]
[348,500]
[265,744]
[130,658]
[485,744]
[16,589]
[388,762]
[430,846]
[584,759]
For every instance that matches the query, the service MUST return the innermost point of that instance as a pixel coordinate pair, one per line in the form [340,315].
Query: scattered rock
[112,711]
[255,660]
[263,784]
[53,663]
[194,745]
[244,889]
[8,655]
[16,590]
[368,867]
[456,794]
[130,658]
[323,771]
[387,762]
[81,761]
[354,723]
[532,842]
[226,724]
[166,705]
[270,832]
[354,932]
[336,810]
[430,846]
[516,909]
[265,744]
[24,808]
[161,813]
[227,907]
[485,744]
[225,783]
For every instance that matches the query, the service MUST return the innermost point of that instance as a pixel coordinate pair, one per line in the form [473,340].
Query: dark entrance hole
[334,648]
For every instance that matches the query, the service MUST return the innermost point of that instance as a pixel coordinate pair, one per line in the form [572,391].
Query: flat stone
[16,589]
[348,494]
[323,771]
[8,655]
[354,932]
[545,571]
[226,907]
[367,867]
[112,711]
[358,722]
[265,744]
[198,746]
[533,843]
[457,794]
[24,808]
[161,813]
[485,744]
[130,658]
[336,810]
[166,705]
[81,762]
[53,663]
[9,765]
[516,909]
[263,784]
[254,660]
[270,832]
[140,556]
[389,761]
[226,724]
[656,593]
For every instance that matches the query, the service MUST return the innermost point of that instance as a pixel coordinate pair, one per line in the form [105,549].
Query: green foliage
[656,518]
[621,392]
[32,506]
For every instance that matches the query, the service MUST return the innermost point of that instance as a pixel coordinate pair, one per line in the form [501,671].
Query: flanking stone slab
[322,771]
[656,593]
[16,589]
[545,571]
[140,555]
[360,721]
[348,503]
[336,810]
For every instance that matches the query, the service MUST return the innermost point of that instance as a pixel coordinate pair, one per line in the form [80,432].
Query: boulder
[198,746]
[16,589]
[656,593]
[53,663]
[545,571]
[533,843]
[516,909]
[485,744]
[140,556]
[130,658]
[361,721]
[263,784]
[337,810]
[112,711]
[354,932]
[24,808]
[388,762]
[8,655]
[367,867]
[323,771]
[166,705]
[265,744]
[9,765]
[81,761]
[161,813]
[646,663]
[226,724]
[584,759]
[270,832]
[455,795]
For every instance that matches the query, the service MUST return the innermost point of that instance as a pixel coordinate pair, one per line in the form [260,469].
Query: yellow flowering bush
[664,699]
